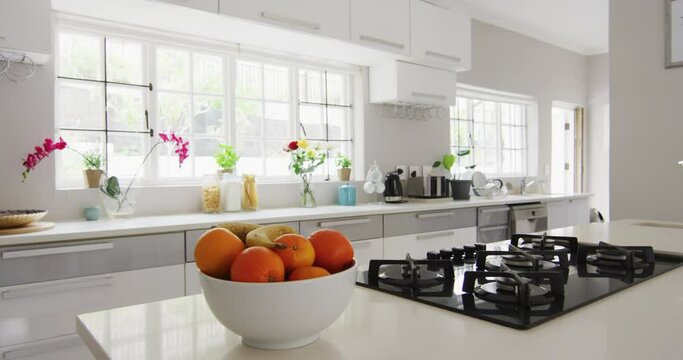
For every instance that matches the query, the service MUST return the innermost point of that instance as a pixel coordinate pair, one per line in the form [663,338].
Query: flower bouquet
[304,160]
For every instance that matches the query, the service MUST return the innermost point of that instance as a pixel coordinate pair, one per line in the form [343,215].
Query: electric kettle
[393,190]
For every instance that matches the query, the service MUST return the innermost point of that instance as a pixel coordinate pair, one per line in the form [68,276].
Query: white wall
[597,133]
[646,116]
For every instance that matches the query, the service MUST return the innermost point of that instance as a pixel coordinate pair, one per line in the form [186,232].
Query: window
[115,93]
[495,133]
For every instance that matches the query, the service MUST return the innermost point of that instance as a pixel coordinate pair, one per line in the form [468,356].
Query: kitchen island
[642,322]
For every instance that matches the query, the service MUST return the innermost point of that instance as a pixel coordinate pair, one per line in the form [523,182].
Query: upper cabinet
[26,27]
[329,18]
[204,5]
[401,82]
[381,24]
[440,37]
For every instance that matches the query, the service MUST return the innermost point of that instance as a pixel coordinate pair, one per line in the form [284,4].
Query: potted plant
[344,167]
[460,189]
[92,172]
[226,158]
[230,186]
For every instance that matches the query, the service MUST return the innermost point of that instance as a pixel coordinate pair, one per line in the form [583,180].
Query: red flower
[181,146]
[293,146]
[40,153]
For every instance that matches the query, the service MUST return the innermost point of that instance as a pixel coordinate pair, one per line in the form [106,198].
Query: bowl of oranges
[273,287]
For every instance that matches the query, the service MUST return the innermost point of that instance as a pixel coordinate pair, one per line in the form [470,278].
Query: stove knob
[458,253]
[480,246]
[446,254]
[470,250]
[433,255]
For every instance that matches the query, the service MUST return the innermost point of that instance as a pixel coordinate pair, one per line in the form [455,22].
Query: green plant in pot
[460,189]
[92,168]
[343,167]
[226,158]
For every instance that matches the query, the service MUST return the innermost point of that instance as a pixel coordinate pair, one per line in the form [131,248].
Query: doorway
[566,173]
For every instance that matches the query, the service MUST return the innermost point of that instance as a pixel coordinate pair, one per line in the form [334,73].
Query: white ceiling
[577,25]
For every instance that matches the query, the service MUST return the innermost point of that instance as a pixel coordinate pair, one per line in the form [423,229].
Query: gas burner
[606,256]
[516,259]
[546,242]
[410,273]
[515,288]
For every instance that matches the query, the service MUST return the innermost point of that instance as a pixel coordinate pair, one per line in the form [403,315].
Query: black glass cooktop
[584,283]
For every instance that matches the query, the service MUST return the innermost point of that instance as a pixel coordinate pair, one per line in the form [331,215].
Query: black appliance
[393,190]
[520,284]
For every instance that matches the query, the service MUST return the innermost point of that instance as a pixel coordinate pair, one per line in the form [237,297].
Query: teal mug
[92,213]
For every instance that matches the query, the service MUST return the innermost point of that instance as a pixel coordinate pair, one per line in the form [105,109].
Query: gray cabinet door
[355,228]
[421,222]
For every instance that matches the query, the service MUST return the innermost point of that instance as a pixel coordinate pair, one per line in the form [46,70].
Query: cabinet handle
[290,20]
[381,41]
[436,235]
[427,95]
[488,211]
[434,215]
[42,346]
[443,56]
[493,228]
[56,250]
[364,243]
[435,4]
[344,222]
[2,37]
[57,286]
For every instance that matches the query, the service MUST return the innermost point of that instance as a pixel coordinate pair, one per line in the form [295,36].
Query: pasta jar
[211,194]
[249,193]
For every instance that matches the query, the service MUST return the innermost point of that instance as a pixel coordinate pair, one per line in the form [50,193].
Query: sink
[659,225]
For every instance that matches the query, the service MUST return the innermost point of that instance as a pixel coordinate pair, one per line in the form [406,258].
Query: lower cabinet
[418,245]
[568,213]
[366,250]
[192,285]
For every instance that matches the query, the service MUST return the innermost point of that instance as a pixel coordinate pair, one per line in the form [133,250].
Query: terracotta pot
[92,178]
[344,174]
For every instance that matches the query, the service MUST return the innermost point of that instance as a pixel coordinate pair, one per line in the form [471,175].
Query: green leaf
[448,161]
[111,187]
[436,164]
[463,152]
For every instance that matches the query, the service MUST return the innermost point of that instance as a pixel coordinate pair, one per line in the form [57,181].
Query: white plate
[479,180]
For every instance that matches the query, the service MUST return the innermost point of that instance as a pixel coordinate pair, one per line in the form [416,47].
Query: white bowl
[281,315]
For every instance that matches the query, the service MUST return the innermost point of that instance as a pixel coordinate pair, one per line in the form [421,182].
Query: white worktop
[642,322]
[81,229]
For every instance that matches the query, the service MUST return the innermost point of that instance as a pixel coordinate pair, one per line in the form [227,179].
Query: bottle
[347,195]
[249,193]
[211,194]
[231,191]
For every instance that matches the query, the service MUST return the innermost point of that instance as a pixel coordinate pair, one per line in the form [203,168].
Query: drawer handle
[57,286]
[43,346]
[290,20]
[493,228]
[57,250]
[436,235]
[431,96]
[435,215]
[344,222]
[381,41]
[488,211]
[443,56]
[364,243]
[3,37]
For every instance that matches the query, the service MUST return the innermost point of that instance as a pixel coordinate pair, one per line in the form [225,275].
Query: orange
[215,251]
[333,251]
[298,251]
[308,272]
[257,264]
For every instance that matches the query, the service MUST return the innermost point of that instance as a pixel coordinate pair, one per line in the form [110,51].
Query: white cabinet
[568,213]
[440,37]
[402,82]
[192,285]
[203,5]
[26,26]
[418,245]
[366,250]
[381,24]
[328,18]
[68,347]
[557,214]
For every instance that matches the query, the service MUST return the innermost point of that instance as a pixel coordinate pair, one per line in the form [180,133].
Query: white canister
[231,191]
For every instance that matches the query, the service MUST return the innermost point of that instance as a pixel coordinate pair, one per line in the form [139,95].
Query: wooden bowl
[17,218]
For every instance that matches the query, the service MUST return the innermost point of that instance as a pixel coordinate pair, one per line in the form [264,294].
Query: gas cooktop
[527,282]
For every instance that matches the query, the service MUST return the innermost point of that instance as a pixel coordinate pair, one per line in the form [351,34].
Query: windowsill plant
[92,172]
[344,167]
[226,158]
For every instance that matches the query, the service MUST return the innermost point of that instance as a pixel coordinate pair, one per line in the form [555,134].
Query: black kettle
[393,190]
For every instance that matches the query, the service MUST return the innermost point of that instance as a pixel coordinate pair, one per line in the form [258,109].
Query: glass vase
[120,206]
[307,198]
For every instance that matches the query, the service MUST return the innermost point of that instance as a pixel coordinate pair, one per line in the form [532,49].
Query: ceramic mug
[92,213]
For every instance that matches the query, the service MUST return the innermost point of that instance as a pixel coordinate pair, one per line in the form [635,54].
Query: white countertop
[81,229]
[642,322]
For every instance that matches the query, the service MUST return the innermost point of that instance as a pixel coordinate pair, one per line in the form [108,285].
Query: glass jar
[249,193]
[231,191]
[211,194]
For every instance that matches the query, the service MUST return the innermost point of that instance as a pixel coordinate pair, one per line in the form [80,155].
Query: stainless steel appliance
[528,218]
[428,187]
[393,190]
[493,223]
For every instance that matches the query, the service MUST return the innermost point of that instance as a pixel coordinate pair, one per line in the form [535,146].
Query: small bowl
[281,315]
[17,218]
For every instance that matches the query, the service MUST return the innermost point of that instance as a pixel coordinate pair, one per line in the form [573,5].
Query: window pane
[208,115]
[126,108]
[125,61]
[173,69]
[508,162]
[277,161]
[519,135]
[313,120]
[311,86]
[126,152]
[491,139]
[277,121]
[80,55]
[174,112]
[507,139]
[249,114]
[276,83]
[336,89]
[69,163]
[203,150]
[208,74]
[80,104]
[506,115]
[248,80]
[169,166]
[251,156]
[489,112]
[339,123]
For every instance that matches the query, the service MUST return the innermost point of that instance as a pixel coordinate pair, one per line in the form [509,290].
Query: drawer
[422,222]
[418,245]
[493,215]
[355,228]
[44,310]
[491,234]
[192,236]
[366,250]
[192,285]
[37,263]
[67,347]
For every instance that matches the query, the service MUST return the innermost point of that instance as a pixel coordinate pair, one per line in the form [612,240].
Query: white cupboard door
[328,18]
[192,285]
[578,212]
[423,84]
[366,250]
[204,5]
[68,347]
[26,25]
[418,245]
[381,24]
[557,214]
[439,36]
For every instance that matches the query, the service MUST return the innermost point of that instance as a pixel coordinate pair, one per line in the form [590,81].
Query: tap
[524,184]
